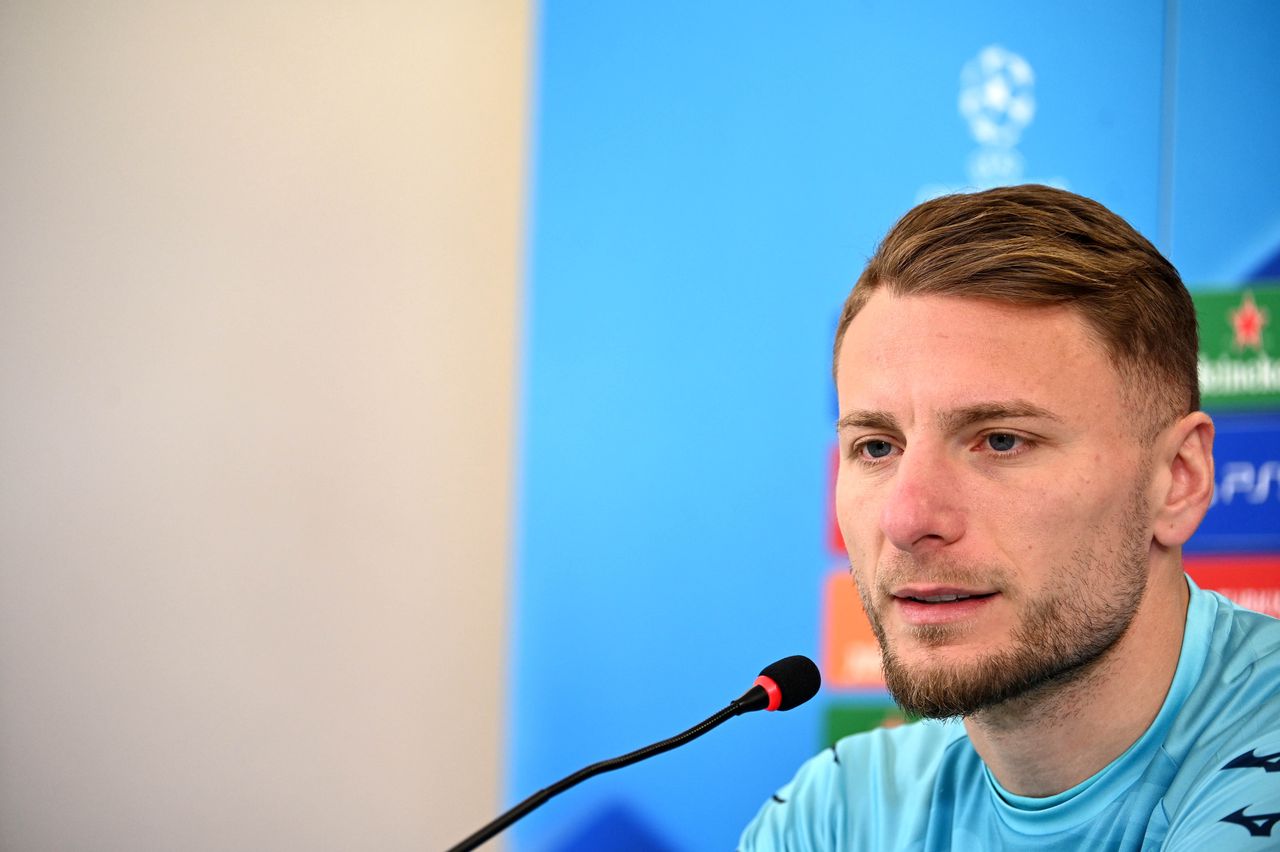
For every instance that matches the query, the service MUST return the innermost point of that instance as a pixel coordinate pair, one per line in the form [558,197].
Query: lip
[916,612]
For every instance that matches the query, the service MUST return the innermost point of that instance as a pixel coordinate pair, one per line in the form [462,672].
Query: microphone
[787,683]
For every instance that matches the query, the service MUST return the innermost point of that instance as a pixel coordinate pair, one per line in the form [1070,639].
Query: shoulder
[1228,788]
[1234,660]
[1249,635]
[1235,795]
[1238,690]
[880,773]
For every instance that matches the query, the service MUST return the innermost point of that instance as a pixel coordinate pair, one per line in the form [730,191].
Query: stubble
[1061,634]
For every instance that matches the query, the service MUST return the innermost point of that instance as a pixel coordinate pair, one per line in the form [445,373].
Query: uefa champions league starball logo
[997,96]
[998,102]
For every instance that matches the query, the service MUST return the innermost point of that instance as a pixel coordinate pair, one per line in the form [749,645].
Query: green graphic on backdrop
[1240,348]
[854,717]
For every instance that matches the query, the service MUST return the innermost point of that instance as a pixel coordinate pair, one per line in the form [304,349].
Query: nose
[924,507]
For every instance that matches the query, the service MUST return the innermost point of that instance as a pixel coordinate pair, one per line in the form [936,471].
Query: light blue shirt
[1204,776]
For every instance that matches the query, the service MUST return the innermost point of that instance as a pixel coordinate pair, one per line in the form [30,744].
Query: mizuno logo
[1259,825]
[1251,760]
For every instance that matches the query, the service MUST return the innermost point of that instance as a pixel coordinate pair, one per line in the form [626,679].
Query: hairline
[1129,370]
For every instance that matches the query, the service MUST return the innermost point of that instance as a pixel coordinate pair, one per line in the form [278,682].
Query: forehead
[946,351]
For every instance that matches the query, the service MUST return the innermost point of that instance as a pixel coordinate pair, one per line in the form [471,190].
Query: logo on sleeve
[1258,825]
[1251,759]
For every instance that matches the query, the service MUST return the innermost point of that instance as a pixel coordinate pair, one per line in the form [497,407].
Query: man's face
[992,496]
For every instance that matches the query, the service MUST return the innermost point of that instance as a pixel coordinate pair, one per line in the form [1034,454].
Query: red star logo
[1248,322]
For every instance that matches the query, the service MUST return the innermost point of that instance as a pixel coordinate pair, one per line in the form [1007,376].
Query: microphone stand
[754,698]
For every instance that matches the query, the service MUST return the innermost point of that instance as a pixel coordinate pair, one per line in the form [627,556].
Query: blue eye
[1002,442]
[877,449]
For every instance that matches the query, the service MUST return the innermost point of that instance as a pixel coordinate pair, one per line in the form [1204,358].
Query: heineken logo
[1248,323]
[1239,360]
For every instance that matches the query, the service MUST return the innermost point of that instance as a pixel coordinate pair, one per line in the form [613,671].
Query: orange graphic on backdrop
[850,653]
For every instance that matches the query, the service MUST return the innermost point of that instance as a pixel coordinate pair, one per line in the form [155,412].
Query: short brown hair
[1035,245]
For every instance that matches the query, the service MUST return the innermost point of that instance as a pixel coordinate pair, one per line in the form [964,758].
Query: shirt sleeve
[806,815]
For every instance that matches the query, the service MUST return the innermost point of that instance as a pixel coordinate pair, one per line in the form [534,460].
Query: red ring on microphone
[771,689]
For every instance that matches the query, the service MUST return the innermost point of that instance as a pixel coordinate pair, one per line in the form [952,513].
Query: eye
[1003,446]
[1002,442]
[871,451]
[877,449]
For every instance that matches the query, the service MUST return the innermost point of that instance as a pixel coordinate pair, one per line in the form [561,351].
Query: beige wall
[258,269]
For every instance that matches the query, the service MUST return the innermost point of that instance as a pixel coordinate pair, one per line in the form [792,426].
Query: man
[1022,458]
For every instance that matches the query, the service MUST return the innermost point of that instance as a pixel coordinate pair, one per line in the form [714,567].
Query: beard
[1060,635]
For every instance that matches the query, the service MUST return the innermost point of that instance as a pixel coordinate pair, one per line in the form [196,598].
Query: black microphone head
[797,678]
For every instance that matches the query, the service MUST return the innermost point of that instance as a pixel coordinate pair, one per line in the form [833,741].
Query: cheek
[1081,499]
[1045,523]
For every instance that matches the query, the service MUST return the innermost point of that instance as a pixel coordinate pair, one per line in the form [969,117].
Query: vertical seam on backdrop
[1168,103]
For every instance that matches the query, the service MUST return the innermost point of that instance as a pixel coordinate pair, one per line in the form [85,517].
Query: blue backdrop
[708,180]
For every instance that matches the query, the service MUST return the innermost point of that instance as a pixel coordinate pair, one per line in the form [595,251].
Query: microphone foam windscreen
[797,679]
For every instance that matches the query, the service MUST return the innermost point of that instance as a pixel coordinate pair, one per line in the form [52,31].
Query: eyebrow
[958,419]
[867,419]
[950,421]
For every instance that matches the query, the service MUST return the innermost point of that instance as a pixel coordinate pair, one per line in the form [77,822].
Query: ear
[1186,453]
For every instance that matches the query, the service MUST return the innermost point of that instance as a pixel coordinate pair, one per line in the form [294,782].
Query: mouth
[945,598]
[919,605]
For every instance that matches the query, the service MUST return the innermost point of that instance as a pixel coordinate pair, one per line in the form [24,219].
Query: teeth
[944,598]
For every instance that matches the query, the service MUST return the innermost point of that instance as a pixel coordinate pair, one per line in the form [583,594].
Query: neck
[1049,741]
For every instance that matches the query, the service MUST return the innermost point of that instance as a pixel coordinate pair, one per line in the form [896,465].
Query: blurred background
[408,404]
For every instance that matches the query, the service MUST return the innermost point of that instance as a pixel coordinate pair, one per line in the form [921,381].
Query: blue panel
[1226,209]
[1097,97]
[1245,515]
[708,180]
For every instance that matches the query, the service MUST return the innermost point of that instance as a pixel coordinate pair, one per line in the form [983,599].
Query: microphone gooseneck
[782,685]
